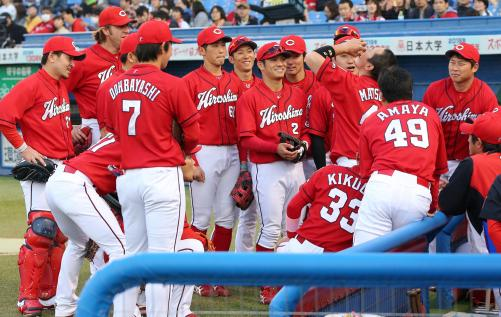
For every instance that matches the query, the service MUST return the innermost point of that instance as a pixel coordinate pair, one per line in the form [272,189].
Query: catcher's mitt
[80,147]
[242,191]
[27,171]
[90,250]
[296,143]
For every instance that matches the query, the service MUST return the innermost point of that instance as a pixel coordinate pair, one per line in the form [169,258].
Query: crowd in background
[63,16]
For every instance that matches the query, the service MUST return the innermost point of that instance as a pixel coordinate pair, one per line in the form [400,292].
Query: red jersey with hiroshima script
[147,100]
[264,113]
[454,107]
[246,84]
[88,74]
[105,115]
[95,163]
[320,120]
[215,98]
[405,136]
[39,104]
[335,194]
[355,98]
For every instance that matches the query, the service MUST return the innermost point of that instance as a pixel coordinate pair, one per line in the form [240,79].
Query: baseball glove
[27,171]
[189,233]
[80,147]
[242,191]
[90,250]
[296,143]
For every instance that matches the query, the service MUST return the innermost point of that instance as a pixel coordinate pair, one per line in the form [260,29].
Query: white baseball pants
[246,230]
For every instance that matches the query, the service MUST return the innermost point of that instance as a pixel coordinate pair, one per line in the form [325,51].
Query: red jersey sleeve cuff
[322,68]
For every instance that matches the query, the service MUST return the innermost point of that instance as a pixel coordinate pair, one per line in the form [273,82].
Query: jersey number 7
[136,107]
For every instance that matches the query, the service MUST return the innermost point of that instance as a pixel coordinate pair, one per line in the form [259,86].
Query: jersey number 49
[417,129]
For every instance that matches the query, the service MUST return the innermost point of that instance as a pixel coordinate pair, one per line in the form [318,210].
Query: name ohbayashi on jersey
[207,99]
[445,115]
[269,116]
[135,85]
[402,109]
[348,180]
[370,94]
[51,110]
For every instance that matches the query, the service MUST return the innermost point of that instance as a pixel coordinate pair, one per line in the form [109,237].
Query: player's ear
[260,65]
[475,67]
[231,59]
[201,50]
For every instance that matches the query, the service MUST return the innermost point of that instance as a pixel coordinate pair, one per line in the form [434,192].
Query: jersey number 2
[418,130]
[339,199]
[136,107]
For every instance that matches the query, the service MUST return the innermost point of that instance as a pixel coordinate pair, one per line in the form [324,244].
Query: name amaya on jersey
[402,110]
[135,85]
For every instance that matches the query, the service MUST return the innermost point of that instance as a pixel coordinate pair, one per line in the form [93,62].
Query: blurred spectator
[495,8]
[47,25]
[32,18]
[15,32]
[218,16]
[230,17]
[164,16]
[75,24]
[396,11]
[321,4]
[481,7]
[373,12]
[243,16]
[142,15]
[59,25]
[177,16]
[310,5]
[199,17]
[346,13]
[186,6]
[8,7]
[55,5]
[155,5]
[442,10]
[464,9]
[126,5]
[422,10]
[20,14]
[331,11]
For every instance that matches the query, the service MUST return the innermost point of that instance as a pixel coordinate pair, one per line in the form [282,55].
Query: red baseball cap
[270,50]
[210,35]
[466,50]
[155,32]
[63,44]
[346,30]
[114,16]
[129,44]
[486,127]
[240,41]
[293,43]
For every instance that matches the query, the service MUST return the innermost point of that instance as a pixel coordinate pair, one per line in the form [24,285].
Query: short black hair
[47,9]
[123,58]
[149,52]
[45,57]
[141,10]
[160,14]
[433,1]
[57,17]
[178,9]
[7,15]
[382,61]
[220,10]
[486,147]
[350,3]
[452,54]
[68,11]
[395,84]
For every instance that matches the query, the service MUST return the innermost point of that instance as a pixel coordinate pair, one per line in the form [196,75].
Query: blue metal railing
[336,269]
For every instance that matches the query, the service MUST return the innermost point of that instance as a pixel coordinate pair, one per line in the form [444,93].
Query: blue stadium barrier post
[289,296]
[333,269]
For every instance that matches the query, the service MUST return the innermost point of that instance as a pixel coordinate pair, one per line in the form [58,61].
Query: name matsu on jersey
[135,85]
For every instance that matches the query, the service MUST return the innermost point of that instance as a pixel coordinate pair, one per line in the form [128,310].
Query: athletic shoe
[267,293]
[222,291]
[48,303]
[205,291]
[30,307]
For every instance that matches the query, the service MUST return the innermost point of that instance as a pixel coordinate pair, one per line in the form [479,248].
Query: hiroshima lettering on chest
[402,109]
[105,74]
[52,109]
[446,114]
[346,180]
[270,116]
[208,98]
[370,94]
[140,86]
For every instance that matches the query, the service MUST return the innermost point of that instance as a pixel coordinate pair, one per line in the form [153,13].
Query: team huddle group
[365,158]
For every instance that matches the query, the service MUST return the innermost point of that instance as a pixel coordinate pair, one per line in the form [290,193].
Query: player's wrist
[326,51]
[243,166]
[22,148]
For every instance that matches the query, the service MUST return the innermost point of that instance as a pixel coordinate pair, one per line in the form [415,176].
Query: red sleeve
[11,134]
[434,194]
[492,101]
[318,122]
[16,102]
[76,75]
[329,73]
[494,229]
[242,154]
[187,115]
[303,197]
[427,97]
[365,159]
[441,166]
[257,144]
[101,109]
[78,26]
[246,123]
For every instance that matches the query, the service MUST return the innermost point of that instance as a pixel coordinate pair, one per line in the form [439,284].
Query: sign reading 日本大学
[412,45]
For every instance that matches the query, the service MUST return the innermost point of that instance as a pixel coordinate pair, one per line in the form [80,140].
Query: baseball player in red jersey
[105,116]
[457,98]
[402,150]
[40,106]
[101,62]
[215,93]
[355,96]
[242,54]
[265,110]
[151,190]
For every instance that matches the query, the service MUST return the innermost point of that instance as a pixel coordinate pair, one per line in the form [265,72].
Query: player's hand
[31,155]
[355,47]
[281,242]
[78,136]
[198,174]
[442,183]
[285,151]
